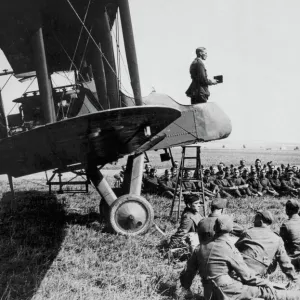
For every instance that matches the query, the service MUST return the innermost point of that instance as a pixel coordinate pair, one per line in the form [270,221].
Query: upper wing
[103,137]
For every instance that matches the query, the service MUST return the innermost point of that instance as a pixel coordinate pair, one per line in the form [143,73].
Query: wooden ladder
[180,180]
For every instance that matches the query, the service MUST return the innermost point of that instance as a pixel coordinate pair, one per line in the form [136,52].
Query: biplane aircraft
[90,123]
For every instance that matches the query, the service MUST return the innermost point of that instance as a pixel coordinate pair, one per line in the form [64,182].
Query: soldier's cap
[290,171]
[207,171]
[252,174]
[152,169]
[200,49]
[218,203]
[147,166]
[266,216]
[190,198]
[292,204]
[275,172]
[220,173]
[257,160]
[224,224]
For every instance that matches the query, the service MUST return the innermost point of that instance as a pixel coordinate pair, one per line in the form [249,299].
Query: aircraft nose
[211,122]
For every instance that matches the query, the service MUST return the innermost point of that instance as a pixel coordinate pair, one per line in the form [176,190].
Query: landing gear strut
[130,214]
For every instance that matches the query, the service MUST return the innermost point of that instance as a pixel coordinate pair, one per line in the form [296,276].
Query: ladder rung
[191,157]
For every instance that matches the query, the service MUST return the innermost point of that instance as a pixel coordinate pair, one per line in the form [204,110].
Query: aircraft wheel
[131,215]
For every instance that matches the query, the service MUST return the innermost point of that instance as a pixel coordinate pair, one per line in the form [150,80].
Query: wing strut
[43,77]
[130,50]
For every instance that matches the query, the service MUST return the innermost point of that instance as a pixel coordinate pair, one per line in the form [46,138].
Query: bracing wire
[6,82]
[80,33]
[117,39]
[88,32]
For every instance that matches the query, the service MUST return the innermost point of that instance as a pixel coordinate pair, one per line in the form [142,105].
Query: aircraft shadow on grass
[30,240]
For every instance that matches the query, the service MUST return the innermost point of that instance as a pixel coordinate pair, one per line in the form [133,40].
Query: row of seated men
[218,182]
[238,270]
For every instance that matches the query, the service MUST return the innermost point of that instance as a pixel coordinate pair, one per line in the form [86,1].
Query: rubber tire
[119,202]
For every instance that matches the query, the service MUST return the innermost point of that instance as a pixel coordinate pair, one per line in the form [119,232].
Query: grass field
[227,156]
[53,247]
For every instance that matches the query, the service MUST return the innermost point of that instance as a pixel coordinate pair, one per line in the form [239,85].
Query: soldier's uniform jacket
[151,184]
[296,182]
[262,248]
[215,261]
[224,184]
[188,186]
[266,185]
[275,183]
[206,228]
[290,233]
[254,185]
[237,181]
[188,223]
[167,185]
[288,185]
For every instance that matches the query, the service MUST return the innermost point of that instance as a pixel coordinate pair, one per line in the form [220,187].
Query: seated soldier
[240,183]
[213,172]
[226,187]
[167,186]
[242,165]
[216,262]
[258,166]
[227,173]
[290,233]
[206,227]
[150,183]
[262,249]
[254,185]
[147,171]
[288,185]
[174,174]
[270,171]
[187,184]
[207,178]
[245,174]
[221,166]
[211,190]
[266,185]
[120,177]
[275,182]
[186,233]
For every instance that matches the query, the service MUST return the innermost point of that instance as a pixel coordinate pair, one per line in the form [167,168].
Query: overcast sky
[254,44]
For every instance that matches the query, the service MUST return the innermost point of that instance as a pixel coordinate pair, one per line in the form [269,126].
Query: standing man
[289,231]
[198,90]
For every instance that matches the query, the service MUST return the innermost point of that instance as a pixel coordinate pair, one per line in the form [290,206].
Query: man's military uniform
[226,186]
[188,225]
[267,187]
[206,227]
[216,261]
[150,185]
[240,183]
[262,249]
[254,185]
[290,233]
[288,187]
[276,184]
[198,90]
[188,185]
[167,188]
